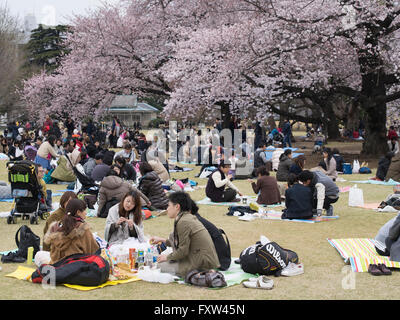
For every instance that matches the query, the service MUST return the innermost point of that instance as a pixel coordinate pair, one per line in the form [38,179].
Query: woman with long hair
[330,163]
[299,165]
[125,220]
[72,235]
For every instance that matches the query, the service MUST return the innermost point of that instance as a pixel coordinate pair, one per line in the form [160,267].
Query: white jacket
[275,158]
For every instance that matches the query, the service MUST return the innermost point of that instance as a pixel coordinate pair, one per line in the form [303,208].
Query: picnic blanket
[24,273]
[391,182]
[373,205]
[360,253]
[207,201]
[275,215]
[184,170]
[268,155]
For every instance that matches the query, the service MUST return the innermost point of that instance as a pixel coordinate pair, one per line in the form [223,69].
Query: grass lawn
[324,268]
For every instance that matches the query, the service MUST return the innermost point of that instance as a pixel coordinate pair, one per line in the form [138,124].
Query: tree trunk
[372,102]
[271,122]
[225,114]
[331,124]
[375,125]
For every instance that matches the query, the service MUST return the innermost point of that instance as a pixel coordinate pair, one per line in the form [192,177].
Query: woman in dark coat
[151,186]
[383,166]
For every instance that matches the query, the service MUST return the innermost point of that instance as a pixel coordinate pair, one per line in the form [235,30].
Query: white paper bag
[356,166]
[356,197]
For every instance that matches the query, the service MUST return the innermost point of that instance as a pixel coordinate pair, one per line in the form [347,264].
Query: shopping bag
[356,197]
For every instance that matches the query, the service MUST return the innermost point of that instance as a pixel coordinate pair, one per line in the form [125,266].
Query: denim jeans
[287,140]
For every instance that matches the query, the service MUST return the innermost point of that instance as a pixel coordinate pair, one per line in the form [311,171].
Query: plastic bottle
[30,255]
[155,255]
[132,259]
[149,258]
[140,258]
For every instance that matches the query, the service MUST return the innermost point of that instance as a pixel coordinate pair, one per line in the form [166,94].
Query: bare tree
[11,59]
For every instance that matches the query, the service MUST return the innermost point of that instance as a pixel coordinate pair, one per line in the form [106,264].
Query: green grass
[323,266]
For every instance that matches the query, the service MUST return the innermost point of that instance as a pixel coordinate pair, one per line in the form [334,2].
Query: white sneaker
[261,282]
[293,269]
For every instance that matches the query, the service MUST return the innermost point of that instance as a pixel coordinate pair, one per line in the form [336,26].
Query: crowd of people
[134,177]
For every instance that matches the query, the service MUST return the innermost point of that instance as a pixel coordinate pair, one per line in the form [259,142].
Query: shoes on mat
[293,269]
[261,282]
[385,270]
[375,270]
[379,270]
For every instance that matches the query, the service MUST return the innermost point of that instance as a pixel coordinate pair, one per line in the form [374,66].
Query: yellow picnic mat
[24,273]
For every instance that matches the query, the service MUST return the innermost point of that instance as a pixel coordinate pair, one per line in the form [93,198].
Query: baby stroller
[88,186]
[25,190]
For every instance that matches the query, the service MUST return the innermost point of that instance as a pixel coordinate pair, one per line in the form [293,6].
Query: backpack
[365,170]
[24,238]
[77,269]
[104,211]
[222,246]
[268,259]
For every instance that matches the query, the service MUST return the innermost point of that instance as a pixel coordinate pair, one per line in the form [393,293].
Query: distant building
[128,110]
[30,23]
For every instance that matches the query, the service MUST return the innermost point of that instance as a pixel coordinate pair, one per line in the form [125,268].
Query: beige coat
[79,240]
[195,248]
[159,168]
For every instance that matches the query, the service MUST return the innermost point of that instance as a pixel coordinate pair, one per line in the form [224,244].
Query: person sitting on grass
[330,164]
[58,215]
[325,191]
[394,169]
[127,171]
[285,162]
[298,200]
[151,186]
[339,160]
[46,152]
[192,245]
[393,145]
[218,181]
[47,194]
[125,220]
[383,166]
[113,188]
[72,235]
[298,166]
[266,187]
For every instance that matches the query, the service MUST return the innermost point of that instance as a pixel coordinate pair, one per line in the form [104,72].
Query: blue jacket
[299,202]
[287,129]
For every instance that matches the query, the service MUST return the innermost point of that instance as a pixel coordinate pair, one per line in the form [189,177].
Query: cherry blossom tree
[245,56]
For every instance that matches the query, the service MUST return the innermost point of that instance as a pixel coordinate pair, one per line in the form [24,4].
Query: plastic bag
[356,197]
[356,166]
